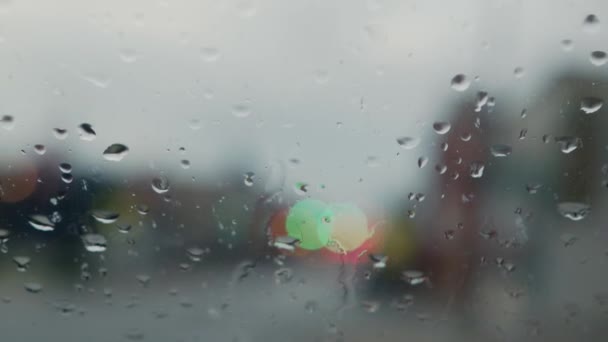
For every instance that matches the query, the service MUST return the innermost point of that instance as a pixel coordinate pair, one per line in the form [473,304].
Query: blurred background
[151,153]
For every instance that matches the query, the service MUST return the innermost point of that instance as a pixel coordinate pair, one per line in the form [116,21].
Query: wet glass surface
[303,171]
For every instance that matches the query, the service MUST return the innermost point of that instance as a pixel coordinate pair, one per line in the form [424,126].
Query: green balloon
[310,222]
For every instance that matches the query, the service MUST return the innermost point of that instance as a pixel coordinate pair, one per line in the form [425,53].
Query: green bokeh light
[310,221]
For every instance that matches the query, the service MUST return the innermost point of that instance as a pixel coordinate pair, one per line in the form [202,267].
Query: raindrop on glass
[422,161]
[476,169]
[41,222]
[567,45]
[160,185]
[123,227]
[143,279]
[598,58]
[33,287]
[86,132]
[184,163]
[4,235]
[379,260]
[65,167]
[441,168]
[590,105]
[481,100]
[143,209]
[195,253]
[568,144]
[67,178]
[301,188]
[248,178]
[286,242]
[532,188]
[408,143]
[241,110]
[500,150]
[574,211]
[22,263]
[441,127]
[460,82]
[105,216]
[591,23]
[94,243]
[60,133]
[7,122]
[413,277]
[115,152]
[39,149]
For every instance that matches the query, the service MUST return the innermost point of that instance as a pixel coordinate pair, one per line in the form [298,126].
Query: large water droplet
[591,104]
[160,185]
[7,122]
[591,23]
[86,132]
[41,223]
[67,178]
[105,216]
[460,82]
[441,127]
[568,144]
[94,242]
[574,211]
[500,150]
[598,58]
[65,167]
[115,152]
[408,143]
